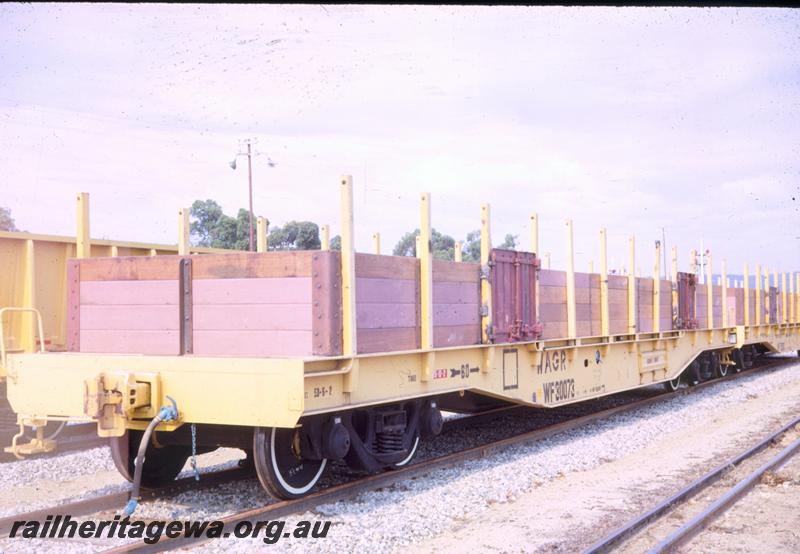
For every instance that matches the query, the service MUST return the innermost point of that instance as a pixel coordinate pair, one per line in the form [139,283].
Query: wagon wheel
[694,374]
[673,384]
[281,469]
[738,359]
[161,465]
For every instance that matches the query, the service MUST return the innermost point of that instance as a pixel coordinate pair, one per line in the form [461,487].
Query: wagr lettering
[552,361]
[556,391]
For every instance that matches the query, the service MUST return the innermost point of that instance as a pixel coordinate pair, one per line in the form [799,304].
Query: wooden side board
[129,317]
[387,303]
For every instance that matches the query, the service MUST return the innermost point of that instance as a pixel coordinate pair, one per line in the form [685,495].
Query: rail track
[349,489]
[716,508]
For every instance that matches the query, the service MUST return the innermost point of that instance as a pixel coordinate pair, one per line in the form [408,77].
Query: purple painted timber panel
[255,290]
[127,318]
[386,315]
[266,317]
[144,292]
[252,343]
[371,290]
[157,343]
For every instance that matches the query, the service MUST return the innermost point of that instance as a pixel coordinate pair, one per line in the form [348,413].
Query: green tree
[471,250]
[6,221]
[336,243]
[295,235]
[205,215]
[443,245]
[509,243]
[211,227]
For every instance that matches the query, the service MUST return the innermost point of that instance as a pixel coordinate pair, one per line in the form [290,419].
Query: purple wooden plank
[373,290]
[552,278]
[457,335]
[618,326]
[552,312]
[385,316]
[128,317]
[255,290]
[554,330]
[155,343]
[583,312]
[387,340]
[617,282]
[455,314]
[272,317]
[145,292]
[456,293]
[581,279]
[252,343]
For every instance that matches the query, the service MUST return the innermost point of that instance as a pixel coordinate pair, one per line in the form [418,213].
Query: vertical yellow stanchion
[632,286]
[376,243]
[725,321]
[183,231]
[114,251]
[571,308]
[426,273]
[417,246]
[657,290]
[83,240]
[709,292]
[153,252]
[791,299]
[535,234]
[758,294]
[796,280]
[486,288]
[457,251]
[776,309]
[262,227]
[324,237]
[603,283]
[348,259]
[28,321]
[425,253]
[746,296]
[784,295]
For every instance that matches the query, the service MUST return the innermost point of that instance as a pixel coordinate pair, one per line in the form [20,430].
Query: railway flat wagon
[305,357]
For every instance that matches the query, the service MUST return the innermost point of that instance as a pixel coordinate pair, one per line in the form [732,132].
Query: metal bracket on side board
[185,305]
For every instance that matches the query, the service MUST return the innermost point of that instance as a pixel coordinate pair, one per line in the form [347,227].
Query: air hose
[167,413]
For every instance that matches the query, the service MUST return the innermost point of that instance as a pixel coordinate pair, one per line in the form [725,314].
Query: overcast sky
[634,119]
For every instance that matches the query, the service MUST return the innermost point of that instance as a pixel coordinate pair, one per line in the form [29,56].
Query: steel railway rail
[701,520]
[283,508]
